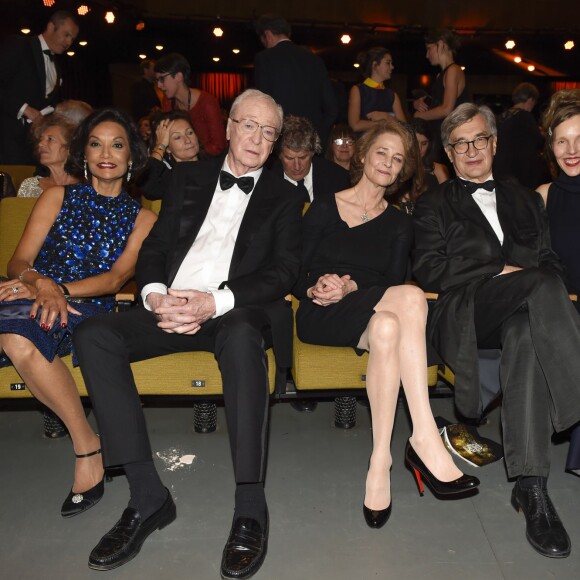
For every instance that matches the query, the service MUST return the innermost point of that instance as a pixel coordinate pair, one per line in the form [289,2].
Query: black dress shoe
[304,405]
[377,518]
[544,529]
[245,549]
[123,542]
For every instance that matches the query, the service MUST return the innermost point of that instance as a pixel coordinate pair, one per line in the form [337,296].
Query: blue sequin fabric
[88,235]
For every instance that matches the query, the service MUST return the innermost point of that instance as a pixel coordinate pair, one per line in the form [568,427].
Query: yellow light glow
[83,43]
[217,31]
[462,68]
[531,67]
[216,58]
[25,30]
[517,59]
[236,50]
[110,17]
[83,10]
[142,56]
[510,44]
[345,38]
[159,47]
[48,3]
[71,53]
[569,45]
[356,65]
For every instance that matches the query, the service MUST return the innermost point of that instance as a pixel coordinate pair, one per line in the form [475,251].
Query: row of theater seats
[319,371]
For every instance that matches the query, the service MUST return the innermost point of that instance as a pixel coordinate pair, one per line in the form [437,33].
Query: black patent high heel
[377,518]
[462,484]
[77,503]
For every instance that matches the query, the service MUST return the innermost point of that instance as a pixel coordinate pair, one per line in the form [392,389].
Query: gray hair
[299,134]
[463,113]
[256,94]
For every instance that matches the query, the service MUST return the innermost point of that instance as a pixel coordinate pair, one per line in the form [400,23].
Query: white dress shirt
[307,182]
[207,263]
[488,205]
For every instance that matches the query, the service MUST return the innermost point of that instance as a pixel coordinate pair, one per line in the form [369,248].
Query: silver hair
[463,113]
[256,94]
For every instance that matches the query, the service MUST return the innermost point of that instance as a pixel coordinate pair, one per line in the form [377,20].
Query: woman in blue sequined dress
[79,247]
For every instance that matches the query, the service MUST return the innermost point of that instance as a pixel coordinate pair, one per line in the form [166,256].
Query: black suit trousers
[106,345]
[528,314]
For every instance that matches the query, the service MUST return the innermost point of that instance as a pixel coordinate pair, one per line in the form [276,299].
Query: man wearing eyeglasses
[484,246]
[212,276]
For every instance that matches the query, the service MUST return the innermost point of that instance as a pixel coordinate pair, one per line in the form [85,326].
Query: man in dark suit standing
[296,78]
[484,245]
[29,84]
[212,276]
[144,92]
[299,161]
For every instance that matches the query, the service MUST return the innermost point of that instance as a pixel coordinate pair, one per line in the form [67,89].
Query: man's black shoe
[304,405]
[123,542]
[544,530]
[245,549]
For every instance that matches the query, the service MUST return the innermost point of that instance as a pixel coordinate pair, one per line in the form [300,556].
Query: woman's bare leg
[53,385]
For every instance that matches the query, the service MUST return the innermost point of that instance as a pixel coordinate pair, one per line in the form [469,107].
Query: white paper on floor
[174,458]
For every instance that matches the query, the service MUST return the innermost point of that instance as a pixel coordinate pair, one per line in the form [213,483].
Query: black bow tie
[472,187]
[49,54]
[227,180]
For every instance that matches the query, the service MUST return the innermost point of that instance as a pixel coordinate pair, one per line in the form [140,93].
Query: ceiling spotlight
[345,38]
[517,59]
[110,17]
[71,53]
[217,31]
[48,3]
[531,68]
[569,45]
[159,47]
[83,10]
[462,68]
[236,50]
[510,44]
[25,30]
[83,43]
[142,56]
[140,25]
[356,65]
[216,58]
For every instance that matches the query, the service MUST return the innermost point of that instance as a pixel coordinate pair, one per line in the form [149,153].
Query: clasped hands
[331,288]
[181,311]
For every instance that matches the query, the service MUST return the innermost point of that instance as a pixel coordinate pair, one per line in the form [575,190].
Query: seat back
[14,213]
[18,173]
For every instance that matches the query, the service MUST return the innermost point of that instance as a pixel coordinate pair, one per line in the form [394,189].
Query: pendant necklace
[365,215]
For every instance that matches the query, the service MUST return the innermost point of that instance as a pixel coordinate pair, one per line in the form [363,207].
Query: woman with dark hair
[352,293]
[340,147]
[435,173]
[370,101]
[79,247]
[173,72]
[175,142]
[51,135]
[562,198]
[447,91]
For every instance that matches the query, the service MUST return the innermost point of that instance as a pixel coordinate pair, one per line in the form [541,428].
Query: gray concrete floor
[315,488]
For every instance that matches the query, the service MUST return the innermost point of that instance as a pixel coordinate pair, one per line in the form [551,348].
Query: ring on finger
[15,289]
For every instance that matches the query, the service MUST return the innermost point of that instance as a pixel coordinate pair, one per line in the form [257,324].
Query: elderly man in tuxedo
[484,246]
[212,276]
[30,81]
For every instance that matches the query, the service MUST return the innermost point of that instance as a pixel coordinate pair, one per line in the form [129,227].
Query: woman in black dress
[356,253]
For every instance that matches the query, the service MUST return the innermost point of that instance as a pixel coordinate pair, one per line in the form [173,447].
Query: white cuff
[154,287]
[224,301]
[21,111]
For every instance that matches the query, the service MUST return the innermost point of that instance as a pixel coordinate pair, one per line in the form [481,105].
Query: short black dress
[374,253]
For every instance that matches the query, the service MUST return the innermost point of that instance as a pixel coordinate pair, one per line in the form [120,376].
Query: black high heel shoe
[77,503]
[460,485]
[377,518]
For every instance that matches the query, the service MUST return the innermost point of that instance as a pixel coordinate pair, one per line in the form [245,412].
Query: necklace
[178,101]
[365,215]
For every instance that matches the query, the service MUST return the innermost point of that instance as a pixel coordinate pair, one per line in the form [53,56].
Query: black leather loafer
[245,549]
[544,529]
[123,542]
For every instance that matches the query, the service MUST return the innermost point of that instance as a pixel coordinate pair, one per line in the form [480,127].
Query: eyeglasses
[341,141]
[249,127]
[462,147]
[161,78]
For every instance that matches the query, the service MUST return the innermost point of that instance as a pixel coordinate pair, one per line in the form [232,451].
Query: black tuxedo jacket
[298,80]
[327,177]
[22,80]
[266,257]
[456,250]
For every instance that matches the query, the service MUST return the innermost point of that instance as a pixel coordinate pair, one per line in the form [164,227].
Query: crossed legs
[395,339]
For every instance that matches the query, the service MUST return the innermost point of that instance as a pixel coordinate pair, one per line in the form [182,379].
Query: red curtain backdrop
[559,85]
[224,86]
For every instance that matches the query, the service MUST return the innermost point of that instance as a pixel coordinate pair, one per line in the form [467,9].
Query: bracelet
[64,289]
[21,275]
[161,145]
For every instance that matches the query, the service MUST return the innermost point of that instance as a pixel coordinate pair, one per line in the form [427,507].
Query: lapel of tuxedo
[39,62]
[259,207]
[198,191]
[504,211]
